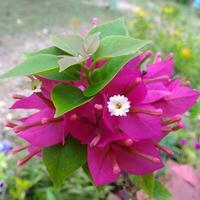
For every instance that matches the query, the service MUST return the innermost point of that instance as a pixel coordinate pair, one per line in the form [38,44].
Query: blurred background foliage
[173,26]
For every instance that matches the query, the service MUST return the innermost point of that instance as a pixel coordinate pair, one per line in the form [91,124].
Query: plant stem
[129,188]
[87,72]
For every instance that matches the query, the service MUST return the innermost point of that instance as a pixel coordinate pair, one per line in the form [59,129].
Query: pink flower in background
[95,21]
[197,145]
[183,141]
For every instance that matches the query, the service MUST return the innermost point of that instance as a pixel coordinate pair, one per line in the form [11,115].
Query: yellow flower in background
[139,11]
[186,53]
[168,10]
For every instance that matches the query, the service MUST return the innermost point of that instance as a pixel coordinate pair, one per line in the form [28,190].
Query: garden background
[26,25]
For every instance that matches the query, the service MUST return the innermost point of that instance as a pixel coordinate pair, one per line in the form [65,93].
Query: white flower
[118,105]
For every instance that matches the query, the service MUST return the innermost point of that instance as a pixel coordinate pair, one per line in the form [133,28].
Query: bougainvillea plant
[101,105]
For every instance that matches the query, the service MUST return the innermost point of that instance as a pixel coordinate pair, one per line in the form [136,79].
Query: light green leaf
[67,97]
[71,73]
[34,65]
[91,44]
[68,61]
[113,46]
[102,76]
[71,44]
[50,50]
[62,160]
[161,192]
[116,27]
[147,184]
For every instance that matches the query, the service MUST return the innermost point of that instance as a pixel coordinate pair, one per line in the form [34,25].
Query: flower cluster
[122,125]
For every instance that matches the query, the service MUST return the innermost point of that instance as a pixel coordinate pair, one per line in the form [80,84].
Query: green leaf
[62,160]
[68,61]
[147,184]
[67,97]
[161,192]
[116,27]
[50,50]
[91,44]
[71,44]
[71,73]
[113,46]
[102,76]
[34,65]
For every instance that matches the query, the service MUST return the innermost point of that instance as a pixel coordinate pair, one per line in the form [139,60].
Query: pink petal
[101,165]
[138,94]
[32,149]
[135,164]
[155,92]
[82,131]
[45,113]
[141,126]
[45,135]
[121,82]
[31,102]
[160,69]
[180,100]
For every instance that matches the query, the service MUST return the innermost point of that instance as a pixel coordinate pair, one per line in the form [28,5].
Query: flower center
[118,105]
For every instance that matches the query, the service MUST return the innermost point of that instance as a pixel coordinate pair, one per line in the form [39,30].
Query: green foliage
[68,61]
[21,186]
[90,44]
[71,73]
[63,160]
[147,184]
[113,46]
[67,97]
[153,188]
[71,44]
[76,45]
[116,27]
[79,48]
[161,192]
[34,65]
[50,50]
